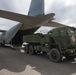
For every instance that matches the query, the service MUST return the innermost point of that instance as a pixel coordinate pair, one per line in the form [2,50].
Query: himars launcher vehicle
[58,43]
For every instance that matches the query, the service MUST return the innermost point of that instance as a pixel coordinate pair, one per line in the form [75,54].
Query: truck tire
[26,49]
[55,55]
[31,50]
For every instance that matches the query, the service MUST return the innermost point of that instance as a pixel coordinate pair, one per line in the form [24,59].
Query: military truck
[57,43]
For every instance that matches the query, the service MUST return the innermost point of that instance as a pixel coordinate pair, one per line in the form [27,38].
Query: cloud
[19,6]
[7,24]
[64,11]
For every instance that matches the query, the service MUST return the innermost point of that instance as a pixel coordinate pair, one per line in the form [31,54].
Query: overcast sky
[65,10]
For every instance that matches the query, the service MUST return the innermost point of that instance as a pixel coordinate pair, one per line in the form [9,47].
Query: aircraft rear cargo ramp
[7,35]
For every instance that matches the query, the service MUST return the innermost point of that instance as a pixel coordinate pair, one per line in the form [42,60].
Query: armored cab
[65,37]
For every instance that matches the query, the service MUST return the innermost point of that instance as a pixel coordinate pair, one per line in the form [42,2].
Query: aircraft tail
[36,7]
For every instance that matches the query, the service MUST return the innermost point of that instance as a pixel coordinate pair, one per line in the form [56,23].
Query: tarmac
[13,62]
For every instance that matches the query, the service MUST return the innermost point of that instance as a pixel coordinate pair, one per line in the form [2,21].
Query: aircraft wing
[27,21]
[54,24]
[16,17]
[38,21]
[31,24]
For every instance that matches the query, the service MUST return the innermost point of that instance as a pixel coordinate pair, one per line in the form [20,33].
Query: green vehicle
[57,43]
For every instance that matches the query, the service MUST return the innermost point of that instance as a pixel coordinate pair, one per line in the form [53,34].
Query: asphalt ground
[13,62]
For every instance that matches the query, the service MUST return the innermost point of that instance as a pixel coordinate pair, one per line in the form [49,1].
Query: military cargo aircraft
[28,24]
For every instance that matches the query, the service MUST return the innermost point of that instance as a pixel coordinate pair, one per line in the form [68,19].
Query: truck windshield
[72,30]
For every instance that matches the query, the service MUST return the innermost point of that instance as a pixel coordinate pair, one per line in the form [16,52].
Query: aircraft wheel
[2,44]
